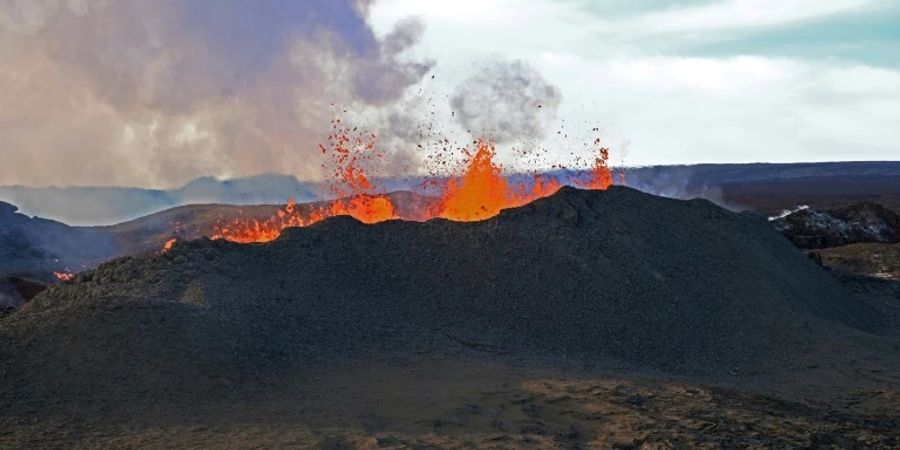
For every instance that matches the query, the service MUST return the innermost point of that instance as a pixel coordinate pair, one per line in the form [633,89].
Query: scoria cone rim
[579,261]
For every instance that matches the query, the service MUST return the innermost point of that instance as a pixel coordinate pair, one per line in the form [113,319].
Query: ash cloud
[506,100]
[379,81]
[154,93]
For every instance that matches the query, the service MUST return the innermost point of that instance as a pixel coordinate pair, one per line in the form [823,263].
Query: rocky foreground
[596,319]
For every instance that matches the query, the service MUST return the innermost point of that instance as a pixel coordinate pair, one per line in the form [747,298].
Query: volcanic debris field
[588,319]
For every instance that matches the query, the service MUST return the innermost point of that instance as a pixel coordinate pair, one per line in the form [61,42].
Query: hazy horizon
[221,179]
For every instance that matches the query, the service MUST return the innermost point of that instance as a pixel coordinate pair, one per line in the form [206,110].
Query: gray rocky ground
[587,319]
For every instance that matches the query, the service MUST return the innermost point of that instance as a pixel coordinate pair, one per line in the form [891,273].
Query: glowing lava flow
[356,196]
[480,192]
[169,244]
[248,230]
[350,150]
[365,208]
[65,275]
[601,176]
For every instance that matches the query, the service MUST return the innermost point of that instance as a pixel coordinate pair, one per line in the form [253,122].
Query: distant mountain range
[111,205]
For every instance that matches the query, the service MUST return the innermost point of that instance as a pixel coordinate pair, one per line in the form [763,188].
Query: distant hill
[110,205]
[35,248]
[770,188]
[762,187]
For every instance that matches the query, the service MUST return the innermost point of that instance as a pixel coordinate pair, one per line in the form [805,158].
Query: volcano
[613,280]
[681,286]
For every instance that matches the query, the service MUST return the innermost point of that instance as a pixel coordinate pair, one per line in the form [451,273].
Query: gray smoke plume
[154,93]
[506,101]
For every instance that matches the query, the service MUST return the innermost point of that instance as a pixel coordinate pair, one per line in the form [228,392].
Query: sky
[694,81]
[154,93]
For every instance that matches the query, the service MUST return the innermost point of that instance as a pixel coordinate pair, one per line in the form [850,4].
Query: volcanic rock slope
[858,223]
[35,247]
[601,279]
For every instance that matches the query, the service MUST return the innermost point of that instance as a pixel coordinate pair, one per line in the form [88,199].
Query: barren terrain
[589,319]
[469,403]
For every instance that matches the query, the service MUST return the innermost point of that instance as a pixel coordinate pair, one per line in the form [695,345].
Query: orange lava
[601,177]
[247,230]
[366,208]
[65,275]
[169,244]
[349,150]
[543,187]
[481,191]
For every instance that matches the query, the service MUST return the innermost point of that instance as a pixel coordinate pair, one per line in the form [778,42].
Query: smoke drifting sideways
[507,101]
[155,93]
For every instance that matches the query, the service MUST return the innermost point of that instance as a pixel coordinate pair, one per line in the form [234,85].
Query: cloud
[723,14]
[506,100]
[155,93]
[29,17]
[736,109]
[715,76]
[642,72]
[379,81]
